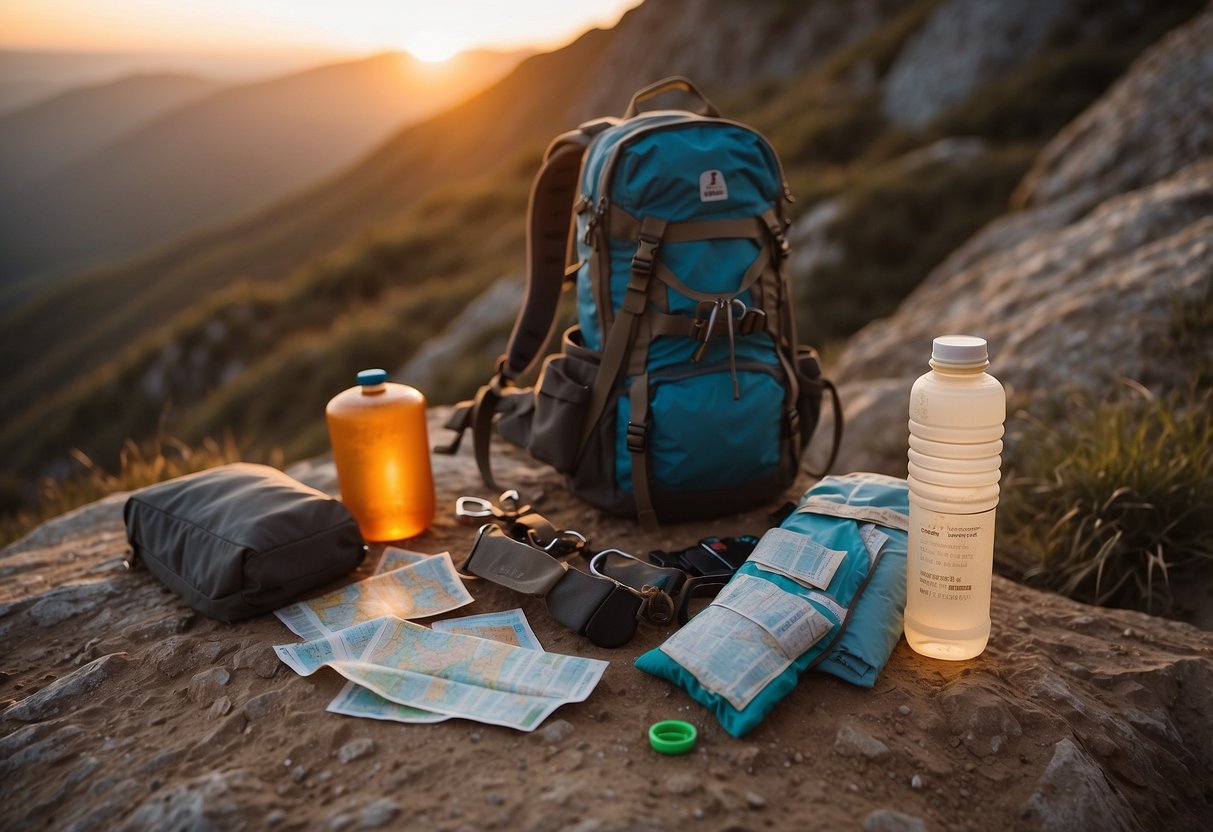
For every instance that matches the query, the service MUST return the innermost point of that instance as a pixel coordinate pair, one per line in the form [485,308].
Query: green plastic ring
[673,736]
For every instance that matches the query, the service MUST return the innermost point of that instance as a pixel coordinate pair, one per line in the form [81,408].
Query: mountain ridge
[41,137]
[223,154]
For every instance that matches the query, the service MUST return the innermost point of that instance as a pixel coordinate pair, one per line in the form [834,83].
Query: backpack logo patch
[712,187]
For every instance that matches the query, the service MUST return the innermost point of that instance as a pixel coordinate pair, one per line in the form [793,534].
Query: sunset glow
[430,31]
[432,45]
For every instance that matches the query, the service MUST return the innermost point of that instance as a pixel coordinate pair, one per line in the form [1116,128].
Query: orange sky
[436,27]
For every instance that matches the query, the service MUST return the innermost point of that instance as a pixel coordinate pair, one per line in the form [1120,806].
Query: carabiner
[471,510]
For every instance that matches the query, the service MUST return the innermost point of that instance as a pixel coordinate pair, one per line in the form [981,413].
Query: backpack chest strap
[626,226]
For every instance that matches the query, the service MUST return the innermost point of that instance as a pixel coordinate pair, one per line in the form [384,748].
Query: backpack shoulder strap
[549,211]
[547,242]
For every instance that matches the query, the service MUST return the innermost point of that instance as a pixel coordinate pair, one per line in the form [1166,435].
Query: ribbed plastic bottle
[957,412]
[382,451]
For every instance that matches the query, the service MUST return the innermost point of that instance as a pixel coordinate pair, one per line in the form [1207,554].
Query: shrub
[153,461]
[1112,502]
[831,132]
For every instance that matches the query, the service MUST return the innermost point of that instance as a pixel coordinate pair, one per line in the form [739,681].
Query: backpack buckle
[777,229]
[637,437]
[646,253]
[754,320]
[793,422]
[502,377]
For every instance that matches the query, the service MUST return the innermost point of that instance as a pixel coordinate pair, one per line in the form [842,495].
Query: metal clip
[470,511]
[566,542]
[658,606]
[717,305]
[754,320]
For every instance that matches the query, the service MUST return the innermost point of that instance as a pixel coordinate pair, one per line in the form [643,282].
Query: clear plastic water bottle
[382,452]
[957,412]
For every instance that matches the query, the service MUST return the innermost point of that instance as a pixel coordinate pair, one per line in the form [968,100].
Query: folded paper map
[430,586]
[451,674]
[509,627]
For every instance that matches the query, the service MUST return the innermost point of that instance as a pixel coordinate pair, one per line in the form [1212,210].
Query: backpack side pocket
[561,399]
[808,373]
[812,387]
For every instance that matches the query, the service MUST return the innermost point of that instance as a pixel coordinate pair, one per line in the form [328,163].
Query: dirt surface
[122,708]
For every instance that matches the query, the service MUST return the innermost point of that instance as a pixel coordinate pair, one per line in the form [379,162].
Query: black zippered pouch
[241,539]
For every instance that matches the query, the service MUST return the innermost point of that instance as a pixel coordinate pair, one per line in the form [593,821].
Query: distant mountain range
[30,76]
[47,136]
[63,207]
[252,323]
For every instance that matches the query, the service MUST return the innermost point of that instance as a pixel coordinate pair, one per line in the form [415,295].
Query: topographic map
[446,674]
[422,588]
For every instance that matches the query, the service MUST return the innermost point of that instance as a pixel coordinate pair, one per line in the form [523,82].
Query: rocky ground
[121,708]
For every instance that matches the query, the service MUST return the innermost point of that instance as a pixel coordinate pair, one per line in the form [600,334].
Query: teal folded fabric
[824,591]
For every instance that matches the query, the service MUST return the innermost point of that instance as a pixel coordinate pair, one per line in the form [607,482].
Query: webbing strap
[625,226]
[695,327]
[761,263]
[638,442]
[477,415]
[783,325]
[547,242]
[623,331]
[837,438]
[483,408]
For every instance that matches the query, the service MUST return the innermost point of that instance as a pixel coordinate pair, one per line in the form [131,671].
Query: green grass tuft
[1111,502]
[153,461]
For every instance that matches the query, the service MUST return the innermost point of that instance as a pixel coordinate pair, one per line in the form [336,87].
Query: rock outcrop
[963,44]
[722,45]
[1080,287]
[130,711]
[1153,122]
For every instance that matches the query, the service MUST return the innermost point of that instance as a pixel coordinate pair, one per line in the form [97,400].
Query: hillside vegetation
[436,215]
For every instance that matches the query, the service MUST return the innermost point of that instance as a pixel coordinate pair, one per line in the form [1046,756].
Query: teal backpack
[682,392]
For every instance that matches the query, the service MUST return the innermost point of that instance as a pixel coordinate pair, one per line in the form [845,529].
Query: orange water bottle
[382,452]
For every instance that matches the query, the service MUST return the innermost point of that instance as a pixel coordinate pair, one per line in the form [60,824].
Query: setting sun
[433,45]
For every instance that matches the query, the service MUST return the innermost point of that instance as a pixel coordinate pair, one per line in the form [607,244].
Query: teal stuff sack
[824,591]
[682,392]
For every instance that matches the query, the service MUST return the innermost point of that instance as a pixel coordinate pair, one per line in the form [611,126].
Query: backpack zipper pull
[594,219]
[697,356]
[732,351]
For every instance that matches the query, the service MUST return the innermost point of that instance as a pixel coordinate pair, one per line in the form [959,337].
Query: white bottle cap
[959,351]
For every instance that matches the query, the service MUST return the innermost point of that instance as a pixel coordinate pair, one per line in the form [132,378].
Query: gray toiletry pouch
[241,539]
